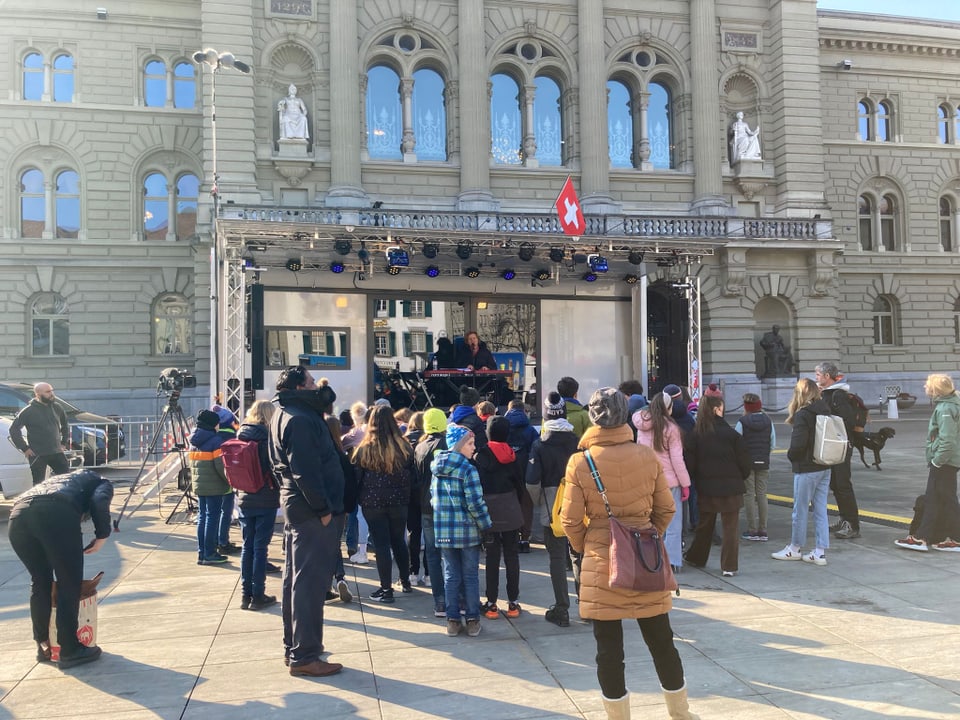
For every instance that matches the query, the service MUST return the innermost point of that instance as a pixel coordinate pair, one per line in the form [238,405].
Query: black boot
[259,602]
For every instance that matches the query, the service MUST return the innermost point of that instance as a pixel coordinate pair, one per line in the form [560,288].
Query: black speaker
[255,340]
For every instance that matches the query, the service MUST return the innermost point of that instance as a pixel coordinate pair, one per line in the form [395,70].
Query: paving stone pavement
[873,635]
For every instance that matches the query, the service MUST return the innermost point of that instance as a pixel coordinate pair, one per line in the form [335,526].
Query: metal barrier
[138,431]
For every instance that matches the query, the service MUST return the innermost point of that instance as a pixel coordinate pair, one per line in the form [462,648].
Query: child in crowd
[460,518]
[227,430]
[432,441]
[486,410]
[761,438]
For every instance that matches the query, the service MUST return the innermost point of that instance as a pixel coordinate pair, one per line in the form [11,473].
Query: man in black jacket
[47,433]
[474,355]
[305,458]
[837,396]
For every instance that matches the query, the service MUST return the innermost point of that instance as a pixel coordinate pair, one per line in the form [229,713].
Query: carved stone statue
[744,142]
[293,117]
[779,359]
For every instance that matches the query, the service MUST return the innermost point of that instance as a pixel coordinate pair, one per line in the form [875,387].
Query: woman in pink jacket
[657,430]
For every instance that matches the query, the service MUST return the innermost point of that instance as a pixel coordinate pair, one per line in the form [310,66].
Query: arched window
[547,121]
[156,218]
[947,213]
[956,321]
[865,120]
[33,77]
[659,122]
[865,224]
[155,83]
[885,321]
[384,125]
[49,326]
[875,120]
[619,125]
[67,204]
[888,223]
[956,124]
[184,85]
[188,192]
[172,326]
[32,204]
[944,120]
[63,78]
[505,124]
[429,115]
[884,115]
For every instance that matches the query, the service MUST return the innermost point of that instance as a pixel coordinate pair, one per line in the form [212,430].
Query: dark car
[98,438]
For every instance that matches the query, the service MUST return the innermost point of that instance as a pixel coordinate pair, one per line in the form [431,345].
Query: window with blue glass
[547,120]
[506,129]
[659,122]
[429,115]
[63,78]
[32,204]
[33,77]
[155,83]
[67,204]
[384,124]
[864,120]
[619,125]
[188,192]
[155,207]
[184,85]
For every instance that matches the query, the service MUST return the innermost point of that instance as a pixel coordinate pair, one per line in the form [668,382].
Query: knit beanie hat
[434,421]
[498,428]
[227,418]
[608,407]
[554,407]
[456,435]
[382,401]
[207,420]
[673,391]
[713,390]
[469,396]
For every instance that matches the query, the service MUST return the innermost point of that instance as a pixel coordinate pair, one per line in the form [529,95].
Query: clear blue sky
[933,9]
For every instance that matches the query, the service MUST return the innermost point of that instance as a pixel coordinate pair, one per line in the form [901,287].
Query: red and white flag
[568,210]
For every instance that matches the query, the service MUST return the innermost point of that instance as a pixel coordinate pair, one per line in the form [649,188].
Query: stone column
[641,129]
[346,188]
[49,221]
[474,115]
[594,150]
[170,87]
[47,94]
[708,181]
[529,143]
[409,142]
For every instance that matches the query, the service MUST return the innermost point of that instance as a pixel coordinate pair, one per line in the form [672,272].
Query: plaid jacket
[459,513]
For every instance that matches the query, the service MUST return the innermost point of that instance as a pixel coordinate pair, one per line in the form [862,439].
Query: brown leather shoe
[318,668]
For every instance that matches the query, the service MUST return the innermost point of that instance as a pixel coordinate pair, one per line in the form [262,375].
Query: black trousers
[842,487]
[508,544]
[45,534]
[557,552]
[941,507]
[387,526]
[57,462]
[414,533]
[657,634]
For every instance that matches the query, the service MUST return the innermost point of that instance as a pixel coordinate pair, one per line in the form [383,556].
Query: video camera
[174,380]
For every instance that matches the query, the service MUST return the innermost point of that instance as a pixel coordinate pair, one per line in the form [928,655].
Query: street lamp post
[216,61]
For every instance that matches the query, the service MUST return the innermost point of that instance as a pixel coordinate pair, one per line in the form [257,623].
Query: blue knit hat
[456,434]
[227,418]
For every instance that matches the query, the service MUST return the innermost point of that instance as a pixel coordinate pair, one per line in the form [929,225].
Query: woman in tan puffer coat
[637,491]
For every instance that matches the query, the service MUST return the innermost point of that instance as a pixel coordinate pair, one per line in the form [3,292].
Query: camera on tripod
[173,380]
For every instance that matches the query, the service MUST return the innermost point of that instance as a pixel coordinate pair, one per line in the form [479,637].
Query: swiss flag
[568,210]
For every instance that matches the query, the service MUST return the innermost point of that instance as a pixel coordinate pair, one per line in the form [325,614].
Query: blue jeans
[353,529]
[434,563]
[673,537]
[461,576]
[257,526]
[226,517]
[207,523]
[813,487]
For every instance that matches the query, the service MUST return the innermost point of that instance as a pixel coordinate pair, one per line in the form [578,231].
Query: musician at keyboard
[474,355]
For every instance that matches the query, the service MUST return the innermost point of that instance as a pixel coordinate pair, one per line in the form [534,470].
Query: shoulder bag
[638,560]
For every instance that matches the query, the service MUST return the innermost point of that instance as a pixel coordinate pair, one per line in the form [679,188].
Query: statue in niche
[744,142]
[293,117]
[779,359]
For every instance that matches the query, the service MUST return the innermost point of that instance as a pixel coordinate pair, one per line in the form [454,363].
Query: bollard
[892,410]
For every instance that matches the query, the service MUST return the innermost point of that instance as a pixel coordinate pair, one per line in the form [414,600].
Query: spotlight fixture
[464,251]
[508,274]
[598,263]
[397,256]
[590,276]
[631,279]
[337,267]
[430,250]
[432,271]
[101,13]
[578,258]
[294,264]
[472,272]
[393,269]
[668,261]
[635,257]
[540,275]
[343,247]
[363,254]
[526,252]
[556,254]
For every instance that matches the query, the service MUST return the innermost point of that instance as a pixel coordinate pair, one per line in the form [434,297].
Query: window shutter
[406,345]
[393,308]
[331,350]
[428,308]
[392,337]
[406,308]
[429,347]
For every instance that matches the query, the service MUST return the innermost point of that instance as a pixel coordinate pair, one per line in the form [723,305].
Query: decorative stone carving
[293,118]
[734,272]
[744,142]
[293,172]
[530,27]
[823,270]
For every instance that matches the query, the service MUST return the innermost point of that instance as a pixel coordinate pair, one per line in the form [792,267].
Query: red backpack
[241,463]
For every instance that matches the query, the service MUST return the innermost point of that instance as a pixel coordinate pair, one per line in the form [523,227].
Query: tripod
[173,421]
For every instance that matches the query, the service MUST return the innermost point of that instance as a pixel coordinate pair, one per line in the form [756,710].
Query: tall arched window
[947,213]
[865,120]
[888,223]
[506,127]
[63,78]
[884,115]
[875,120]
[944,121]
[429,115]
[156,218]
[33,77]
[67,204]
[172,328]
[32,204]
[384,124]
[865,222]
[188,192]
[885,321]
[547,121]
[659,122]
[155,83]
[184,85]
[619,125]
[49,326]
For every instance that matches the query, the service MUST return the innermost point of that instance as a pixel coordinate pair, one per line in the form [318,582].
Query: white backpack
[830,440]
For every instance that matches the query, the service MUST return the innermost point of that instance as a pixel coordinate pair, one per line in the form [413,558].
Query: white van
[14,469]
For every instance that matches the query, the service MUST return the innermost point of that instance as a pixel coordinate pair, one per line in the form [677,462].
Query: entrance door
[668,326]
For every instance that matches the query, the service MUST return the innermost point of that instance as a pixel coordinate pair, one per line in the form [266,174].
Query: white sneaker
[812,557]
[421,580]
[788,553]
[359,558]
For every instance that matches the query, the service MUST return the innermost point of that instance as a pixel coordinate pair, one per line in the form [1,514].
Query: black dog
[872,441]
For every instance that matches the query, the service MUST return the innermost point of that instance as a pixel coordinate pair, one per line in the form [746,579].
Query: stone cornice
[886,44]
[866,32]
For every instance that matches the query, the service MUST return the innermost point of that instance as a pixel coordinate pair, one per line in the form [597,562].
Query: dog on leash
[872,441]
